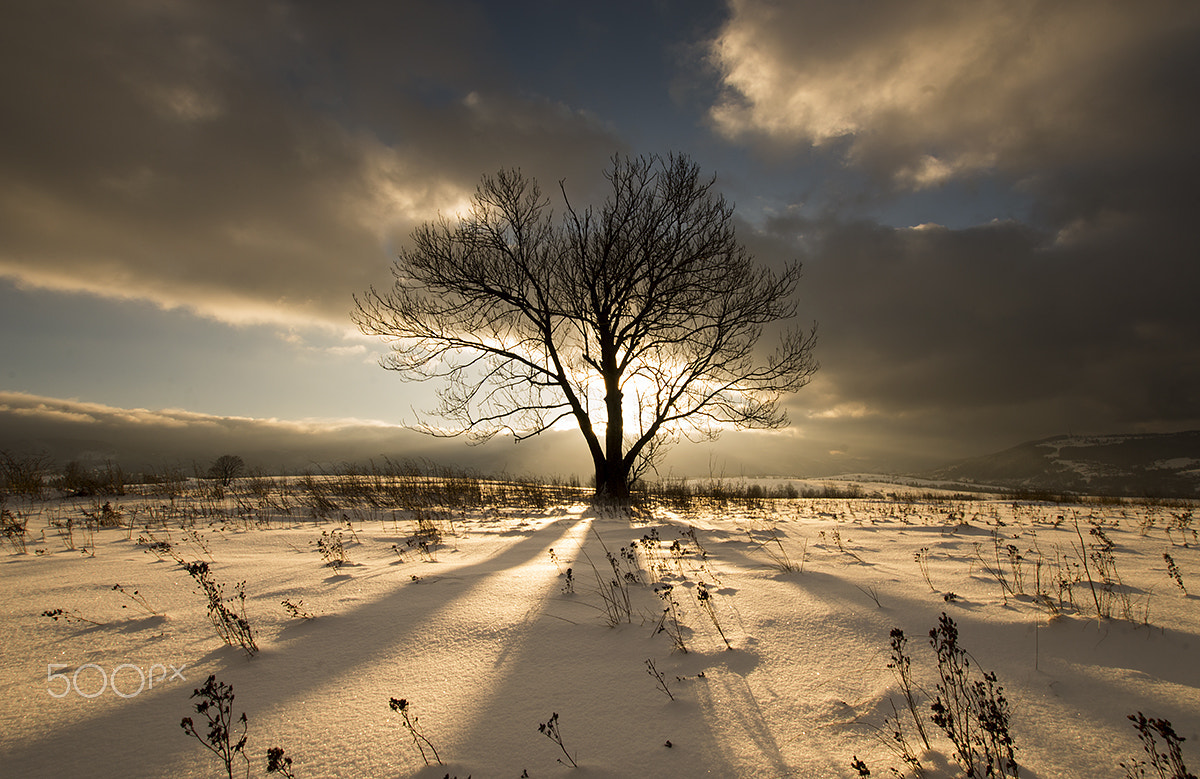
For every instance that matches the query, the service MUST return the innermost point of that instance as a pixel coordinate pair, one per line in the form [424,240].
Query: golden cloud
[935,89]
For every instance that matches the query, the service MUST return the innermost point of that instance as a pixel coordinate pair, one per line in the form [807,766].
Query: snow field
[486,640]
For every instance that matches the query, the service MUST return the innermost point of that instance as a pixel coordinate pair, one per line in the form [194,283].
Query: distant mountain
[141,440]
[1158,465]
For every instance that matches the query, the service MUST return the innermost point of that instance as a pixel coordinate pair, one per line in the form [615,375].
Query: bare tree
[23,474]
[638,320]
[226,468]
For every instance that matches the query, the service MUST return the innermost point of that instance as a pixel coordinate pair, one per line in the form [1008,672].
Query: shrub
[1166,766]
[106,515]
[24,475]
[1173,571]
[77,480]
[973,714]
[13,529]
[231,623]
[332,550]
[216,704]
[297,609]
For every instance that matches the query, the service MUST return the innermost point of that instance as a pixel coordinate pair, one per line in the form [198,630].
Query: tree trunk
[612,482]
[612,477]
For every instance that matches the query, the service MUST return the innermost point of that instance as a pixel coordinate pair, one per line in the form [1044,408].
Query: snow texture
[484,636]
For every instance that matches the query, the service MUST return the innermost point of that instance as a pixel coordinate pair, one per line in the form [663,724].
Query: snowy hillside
[1159,465]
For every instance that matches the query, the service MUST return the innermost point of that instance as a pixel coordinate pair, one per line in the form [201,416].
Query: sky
[994,204]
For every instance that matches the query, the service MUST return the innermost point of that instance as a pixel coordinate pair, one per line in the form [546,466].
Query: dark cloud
[1076,313]
[251,161]
[925,92]
[994,334]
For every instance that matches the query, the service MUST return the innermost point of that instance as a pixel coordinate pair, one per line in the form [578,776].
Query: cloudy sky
[995,203]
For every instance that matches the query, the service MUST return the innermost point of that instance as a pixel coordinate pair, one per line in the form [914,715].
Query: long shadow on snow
[144,735]
[1162,655]
[1065,644]
[603,703]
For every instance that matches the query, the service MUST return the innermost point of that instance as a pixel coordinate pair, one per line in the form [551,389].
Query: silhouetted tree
[226,468]
[638,320]
[24,474]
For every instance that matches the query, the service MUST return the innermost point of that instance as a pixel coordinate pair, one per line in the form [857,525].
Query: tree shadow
[142,734]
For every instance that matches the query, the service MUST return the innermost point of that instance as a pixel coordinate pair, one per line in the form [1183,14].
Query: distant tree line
[34,474]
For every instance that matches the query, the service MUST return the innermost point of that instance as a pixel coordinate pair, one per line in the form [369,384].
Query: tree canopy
[226,468]
[638,320]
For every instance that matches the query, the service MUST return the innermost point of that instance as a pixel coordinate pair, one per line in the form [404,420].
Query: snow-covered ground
[486,638]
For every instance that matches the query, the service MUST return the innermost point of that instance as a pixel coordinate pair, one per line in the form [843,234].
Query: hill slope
[1162,465]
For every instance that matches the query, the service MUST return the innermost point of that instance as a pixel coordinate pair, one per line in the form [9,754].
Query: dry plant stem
[550,729]
[780,559]
[898,742]
[13,527]
[901,666]
[1083,556]
[69,616]
[296,609]
[922,559]
[138,600]
[659,679]
[872,592]
[410,723]
[705,598]
[1015,558]
[996,571]
[670,626]
[973,714]
[613,591]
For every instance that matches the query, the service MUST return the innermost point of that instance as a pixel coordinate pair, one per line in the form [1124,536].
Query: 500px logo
[62,684]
